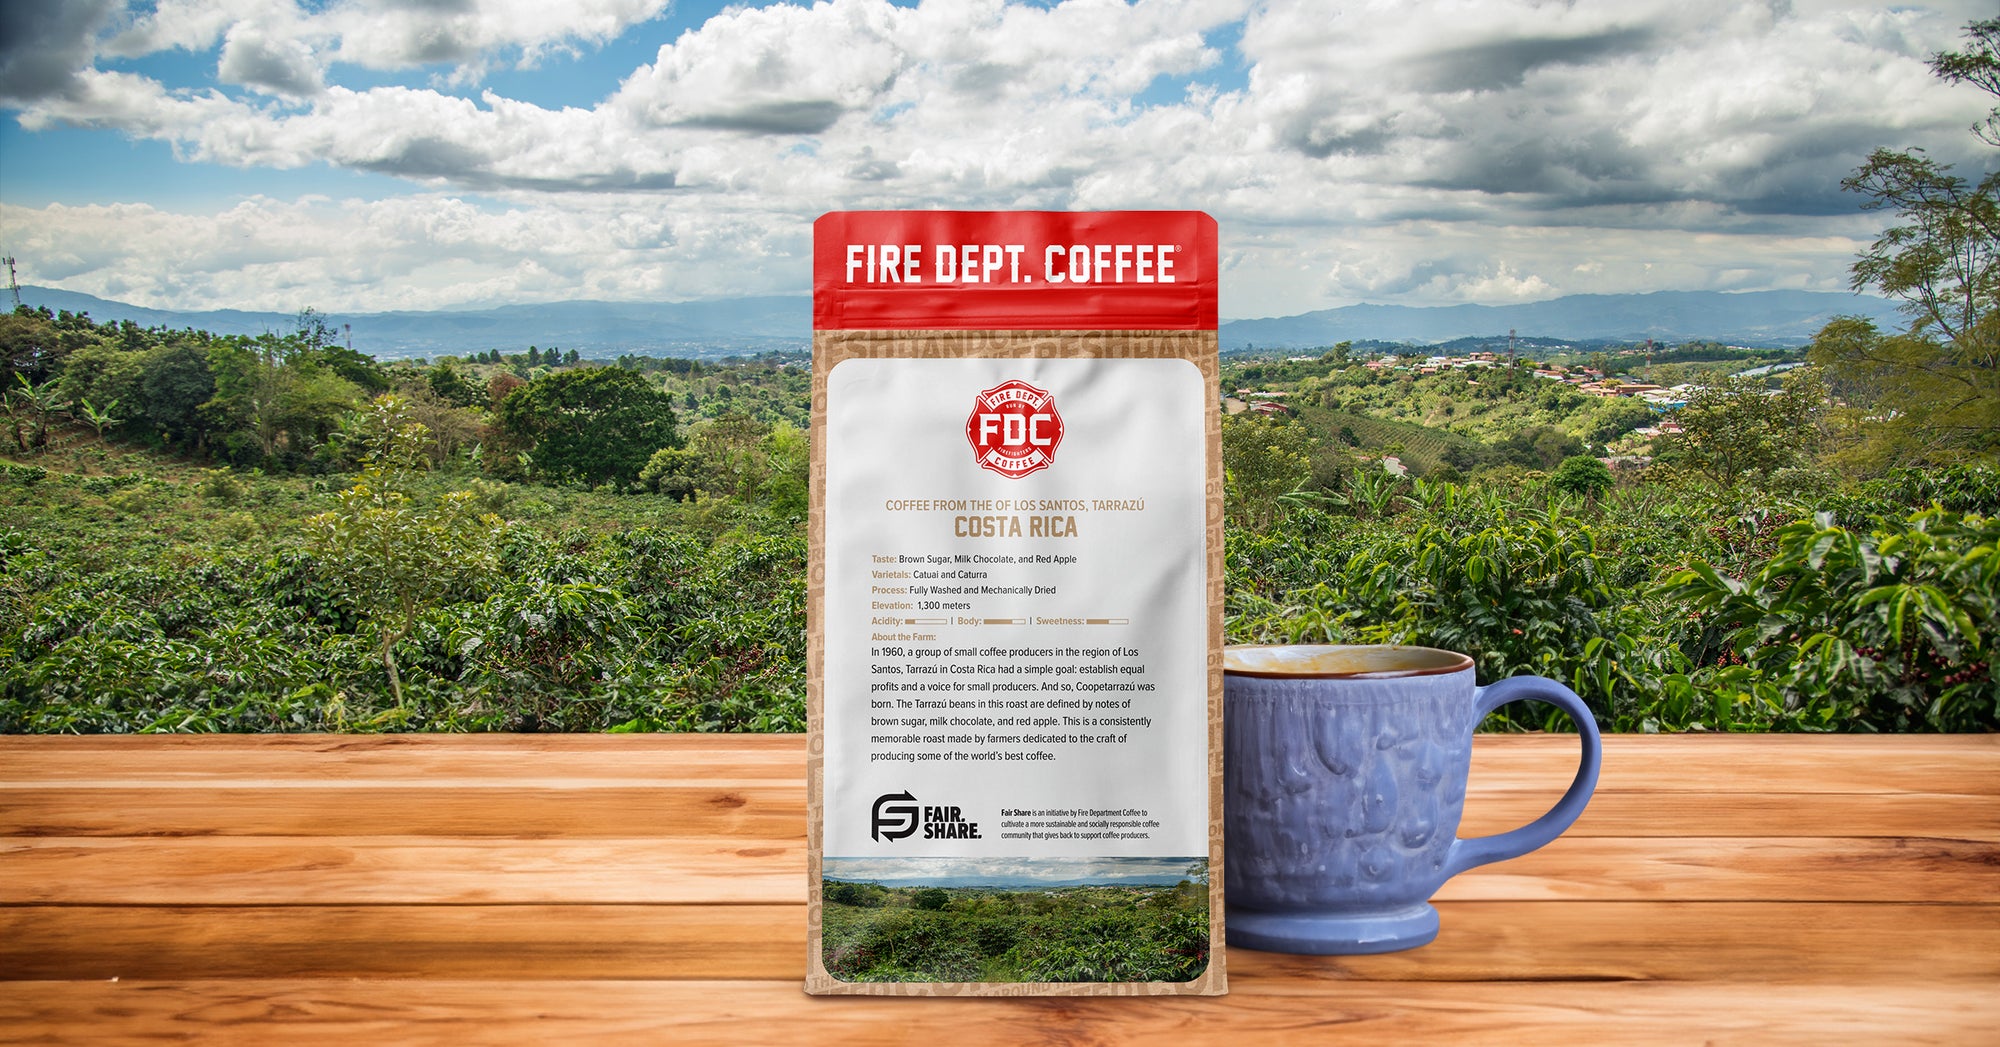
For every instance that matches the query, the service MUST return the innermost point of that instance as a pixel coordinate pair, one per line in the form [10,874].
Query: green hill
[1419,446]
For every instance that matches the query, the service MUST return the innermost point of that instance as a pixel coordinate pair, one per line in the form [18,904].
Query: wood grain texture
[1781,942]
[450,1013]
[484,808]
[387,870]
[580,889]
[753,809]
[382,870]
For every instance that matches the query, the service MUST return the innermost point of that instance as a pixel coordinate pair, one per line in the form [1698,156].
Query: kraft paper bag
[1015,605]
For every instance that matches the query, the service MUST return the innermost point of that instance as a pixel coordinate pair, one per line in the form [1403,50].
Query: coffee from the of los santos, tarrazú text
[1015,605]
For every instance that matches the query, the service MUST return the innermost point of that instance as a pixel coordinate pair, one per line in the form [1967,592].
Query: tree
[1932,392]
[396,556]
[355,367]
[1737,428]
[99,419]
[672,471]
[29,408]
[593,425]
[1539,447]
[1261,461]
[312,401]
[734,461]
[1582,475]
[788,484]
[499,387]
[451,386]
[284,394]
[314,330]
[1617,418]
[29,345]
[174,381]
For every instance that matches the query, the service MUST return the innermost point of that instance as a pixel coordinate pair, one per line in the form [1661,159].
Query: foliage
[1738,429]
[145,585]
[736,457]
[594,425]
[1582,475]
[872,933]
[1931,394]
[1261,460]
[1662,607]
[392,556]
[605,612]
[1885,630]
[30,411]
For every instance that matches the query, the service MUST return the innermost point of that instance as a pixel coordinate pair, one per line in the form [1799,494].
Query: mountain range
[725,327]
[1757,318]
[738,326]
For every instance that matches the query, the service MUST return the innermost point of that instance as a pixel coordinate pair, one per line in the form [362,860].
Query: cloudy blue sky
[359,155]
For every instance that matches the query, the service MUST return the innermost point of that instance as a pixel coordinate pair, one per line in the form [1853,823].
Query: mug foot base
[1320,934]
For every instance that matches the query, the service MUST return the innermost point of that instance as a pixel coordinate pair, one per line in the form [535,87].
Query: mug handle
[1479,850]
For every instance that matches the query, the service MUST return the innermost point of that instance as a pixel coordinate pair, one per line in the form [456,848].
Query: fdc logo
[897,815]
[1014,429]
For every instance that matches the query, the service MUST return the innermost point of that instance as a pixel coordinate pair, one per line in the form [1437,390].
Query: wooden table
[651,889]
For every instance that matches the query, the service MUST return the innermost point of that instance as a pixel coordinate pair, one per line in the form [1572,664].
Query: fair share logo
[1014,429]
[897,815]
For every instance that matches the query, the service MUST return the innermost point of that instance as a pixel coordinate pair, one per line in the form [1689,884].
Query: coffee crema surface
[1340,660]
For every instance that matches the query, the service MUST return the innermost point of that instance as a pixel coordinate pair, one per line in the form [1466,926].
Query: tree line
[297,402]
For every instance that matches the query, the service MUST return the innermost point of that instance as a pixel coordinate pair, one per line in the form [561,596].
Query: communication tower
[13,285]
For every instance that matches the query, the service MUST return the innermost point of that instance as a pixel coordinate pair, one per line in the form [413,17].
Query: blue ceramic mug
[1344,778]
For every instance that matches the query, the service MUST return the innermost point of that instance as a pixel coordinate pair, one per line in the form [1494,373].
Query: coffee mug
[1344,774]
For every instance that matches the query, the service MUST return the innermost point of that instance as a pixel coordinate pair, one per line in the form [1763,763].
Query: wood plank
[1832,869]
[1776,942]
[403,941]
[395,870]
[453,1013]
[1735,942]
[1742,812]
[1962,764]
[760,809]
[429,742]
[735,810]
[763,808]
[135,758]
[392,870]
[747,810]
[1941,764]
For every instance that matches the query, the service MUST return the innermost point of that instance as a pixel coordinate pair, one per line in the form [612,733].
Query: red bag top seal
[1015,270]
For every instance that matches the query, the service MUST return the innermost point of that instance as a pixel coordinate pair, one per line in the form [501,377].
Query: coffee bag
[1015,605]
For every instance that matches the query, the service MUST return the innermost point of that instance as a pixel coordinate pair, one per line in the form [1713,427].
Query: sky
[370,155]
[1008,872]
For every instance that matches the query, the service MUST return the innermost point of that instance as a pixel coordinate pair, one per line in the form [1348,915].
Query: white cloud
[422,251]
[780,70]
[192,25]
[254,57]
[1440,151]
[43,46]
[392,34]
